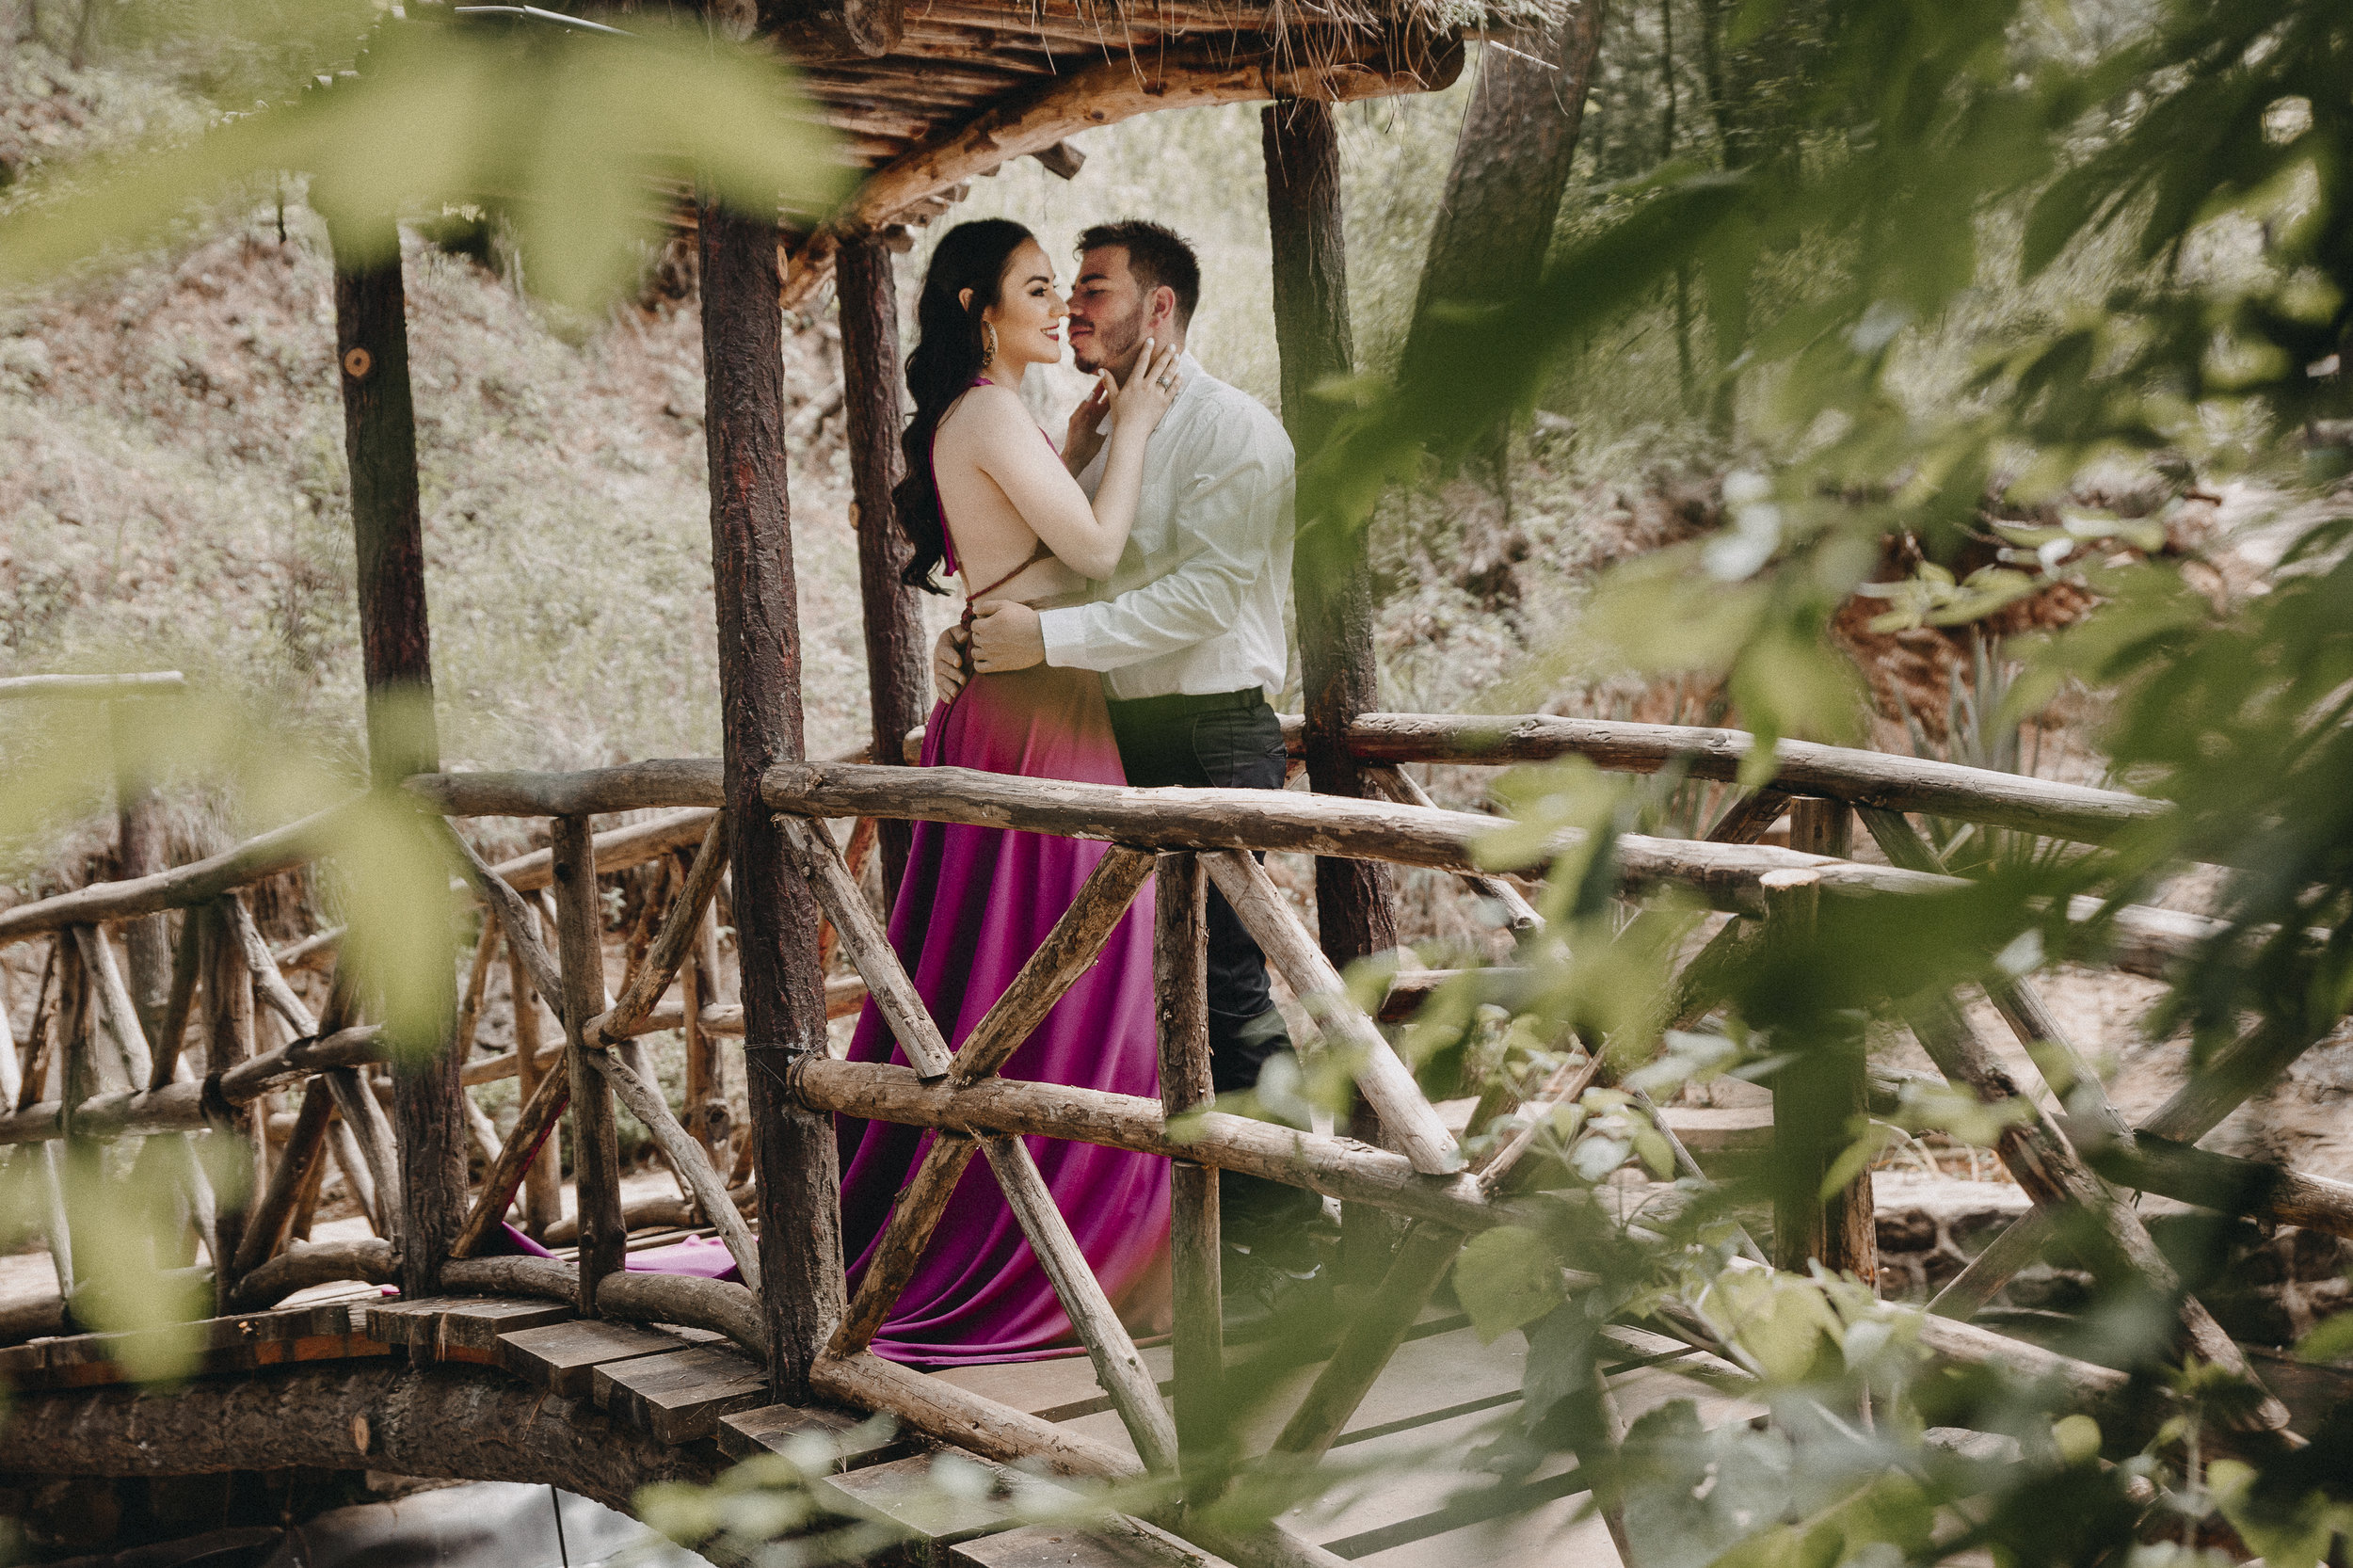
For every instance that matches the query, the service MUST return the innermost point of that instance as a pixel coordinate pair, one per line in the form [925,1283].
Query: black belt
[1179,704]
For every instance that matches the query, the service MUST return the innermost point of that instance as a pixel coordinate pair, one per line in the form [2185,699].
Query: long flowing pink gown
[976,902]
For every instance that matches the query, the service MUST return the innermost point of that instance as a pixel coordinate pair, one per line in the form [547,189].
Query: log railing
[1194,836]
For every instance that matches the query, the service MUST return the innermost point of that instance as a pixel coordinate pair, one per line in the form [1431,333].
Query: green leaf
[1506,1278]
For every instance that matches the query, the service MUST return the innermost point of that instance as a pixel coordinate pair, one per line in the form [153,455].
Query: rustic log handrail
[92,688]
[1860,777]
[2142,940]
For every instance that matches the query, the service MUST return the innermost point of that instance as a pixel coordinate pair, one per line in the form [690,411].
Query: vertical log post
[706,1088]
[1181,948]
[381,441]
[140,851]
[896,678]
[1330,580]
[228,1030]
[1816,1098]
[543,1179]
[596,1149]
[760,695]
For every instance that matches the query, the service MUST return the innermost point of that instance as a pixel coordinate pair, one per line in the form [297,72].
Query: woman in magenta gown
[986,497]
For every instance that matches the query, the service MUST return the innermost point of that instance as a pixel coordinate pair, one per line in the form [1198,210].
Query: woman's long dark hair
[946,359]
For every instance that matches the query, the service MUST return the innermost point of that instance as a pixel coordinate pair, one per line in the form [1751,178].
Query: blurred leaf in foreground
[580,140]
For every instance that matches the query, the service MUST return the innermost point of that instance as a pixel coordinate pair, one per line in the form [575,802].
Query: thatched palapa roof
[926,94]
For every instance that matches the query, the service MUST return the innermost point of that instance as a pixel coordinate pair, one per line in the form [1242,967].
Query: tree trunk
[897,680]
[381,440]
[760,695]
[1511,163]
[1332,581]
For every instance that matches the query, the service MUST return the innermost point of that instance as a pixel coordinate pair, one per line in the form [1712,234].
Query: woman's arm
[1086,538]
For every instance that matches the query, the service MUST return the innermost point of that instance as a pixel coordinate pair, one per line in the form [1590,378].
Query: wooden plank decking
[1441,1396]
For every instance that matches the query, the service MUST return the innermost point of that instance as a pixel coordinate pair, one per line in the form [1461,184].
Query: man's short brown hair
[1157,255]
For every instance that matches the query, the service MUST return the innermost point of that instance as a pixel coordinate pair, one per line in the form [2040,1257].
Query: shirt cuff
[1066,635]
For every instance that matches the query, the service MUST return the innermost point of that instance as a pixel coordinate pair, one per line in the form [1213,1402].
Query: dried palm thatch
[927,98]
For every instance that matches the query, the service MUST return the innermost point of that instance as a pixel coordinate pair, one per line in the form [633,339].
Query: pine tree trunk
[1510,166]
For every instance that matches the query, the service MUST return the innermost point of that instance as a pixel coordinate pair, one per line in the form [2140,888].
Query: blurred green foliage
[580,142]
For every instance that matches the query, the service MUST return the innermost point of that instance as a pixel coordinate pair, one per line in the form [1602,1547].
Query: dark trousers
[1231,740]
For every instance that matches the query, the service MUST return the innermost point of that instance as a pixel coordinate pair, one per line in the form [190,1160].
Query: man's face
[1107,311]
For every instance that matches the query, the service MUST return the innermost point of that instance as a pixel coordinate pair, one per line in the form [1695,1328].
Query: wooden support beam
[282,849]
[670,945]
[1331,577]
[542,1177]
[517,1158]
[1196,1261]
[2041,1159]
[596,1154]
[759,697]
[898,662]
[706,1095]
[486,949]
[140,851]
[1389,780]
[297,1164]
[395,644]
[1336,1167]
[1067,951]
[378,1149]
[1819,1093]
[819,861]
[118,1016]
[646,1103]
[2141,939]
[187,962]
[1387,1082]
[1135,1393]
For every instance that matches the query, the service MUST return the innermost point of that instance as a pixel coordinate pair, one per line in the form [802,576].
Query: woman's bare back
[991,537]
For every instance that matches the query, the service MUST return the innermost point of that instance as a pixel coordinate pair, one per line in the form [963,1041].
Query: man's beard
[1112,345]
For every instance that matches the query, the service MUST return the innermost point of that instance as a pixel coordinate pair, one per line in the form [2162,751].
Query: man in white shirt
[1189,632]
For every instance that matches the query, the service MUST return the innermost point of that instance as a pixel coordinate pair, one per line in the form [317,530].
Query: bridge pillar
[896,677]
[381,440]
[759,698]
[1330,580]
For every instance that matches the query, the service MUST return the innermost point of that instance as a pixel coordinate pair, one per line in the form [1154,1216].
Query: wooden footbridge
[574,1369]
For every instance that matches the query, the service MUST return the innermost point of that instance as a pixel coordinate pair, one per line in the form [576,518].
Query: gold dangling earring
[989,342]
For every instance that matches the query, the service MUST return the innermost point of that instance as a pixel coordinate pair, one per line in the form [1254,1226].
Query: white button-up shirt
[1197,604]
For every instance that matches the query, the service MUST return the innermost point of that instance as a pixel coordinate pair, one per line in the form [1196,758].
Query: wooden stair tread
[774,1429]
[902,1493]
[563,1357]
[459,1328]
[679,1398]
[1121,1543]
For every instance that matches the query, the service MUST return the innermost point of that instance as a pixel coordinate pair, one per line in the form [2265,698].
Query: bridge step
[902,1494]
[785,1429]
[563,1357]
[679,1398]
[457,1328]
[1121,1543]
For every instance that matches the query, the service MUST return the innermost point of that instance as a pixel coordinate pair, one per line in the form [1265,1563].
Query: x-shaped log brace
[1069,949]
